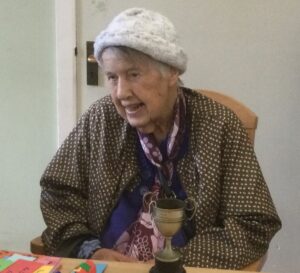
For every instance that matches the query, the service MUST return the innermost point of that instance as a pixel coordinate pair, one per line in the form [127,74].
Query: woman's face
[141,93]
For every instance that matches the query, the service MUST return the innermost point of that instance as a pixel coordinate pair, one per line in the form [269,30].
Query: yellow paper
[44,269]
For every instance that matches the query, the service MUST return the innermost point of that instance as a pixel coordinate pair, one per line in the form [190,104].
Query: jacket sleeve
[64,194]
[247,219]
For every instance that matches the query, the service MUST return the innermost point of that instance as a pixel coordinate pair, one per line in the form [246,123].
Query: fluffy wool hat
[146,31]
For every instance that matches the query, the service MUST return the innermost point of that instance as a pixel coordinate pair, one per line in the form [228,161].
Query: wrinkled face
[141,93]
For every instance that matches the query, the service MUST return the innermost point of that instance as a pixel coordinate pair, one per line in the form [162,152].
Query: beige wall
[27,115]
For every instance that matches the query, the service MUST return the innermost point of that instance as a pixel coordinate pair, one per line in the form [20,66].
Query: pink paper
[47,260]
[22,266]
[4,253]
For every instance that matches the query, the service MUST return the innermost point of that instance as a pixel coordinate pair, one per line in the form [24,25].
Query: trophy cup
[168,215]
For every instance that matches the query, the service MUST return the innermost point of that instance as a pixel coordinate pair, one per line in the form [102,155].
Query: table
[68,264]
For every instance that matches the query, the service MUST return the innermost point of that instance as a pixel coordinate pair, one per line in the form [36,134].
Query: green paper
[85,266]
[4,263]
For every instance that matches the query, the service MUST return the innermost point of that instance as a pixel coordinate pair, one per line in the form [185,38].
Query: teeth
[132,108]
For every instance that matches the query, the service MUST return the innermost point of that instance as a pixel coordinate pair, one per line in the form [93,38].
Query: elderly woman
[151,136]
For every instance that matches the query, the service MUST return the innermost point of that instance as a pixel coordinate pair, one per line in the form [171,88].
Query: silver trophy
[168,215]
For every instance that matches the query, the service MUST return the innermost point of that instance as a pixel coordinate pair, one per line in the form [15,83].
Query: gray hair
[138,56]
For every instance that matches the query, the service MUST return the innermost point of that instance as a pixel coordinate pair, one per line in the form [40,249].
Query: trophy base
[167,267]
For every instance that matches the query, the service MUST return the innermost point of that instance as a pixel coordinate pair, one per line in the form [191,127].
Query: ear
[173,76]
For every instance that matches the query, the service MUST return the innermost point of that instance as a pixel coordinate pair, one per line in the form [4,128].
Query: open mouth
[132,109]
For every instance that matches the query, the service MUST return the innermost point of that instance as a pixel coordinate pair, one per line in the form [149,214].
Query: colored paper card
[79,270]
[47,260]
[86,267]
[92,266]
[16,257]
[4,263]
[100,268]
[4,253]
[22,266]
[44,269]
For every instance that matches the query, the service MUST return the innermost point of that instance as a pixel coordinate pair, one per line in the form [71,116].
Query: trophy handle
[152,205]
[191,206]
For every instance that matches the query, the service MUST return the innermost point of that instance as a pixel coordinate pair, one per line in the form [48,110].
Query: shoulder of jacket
[102,106]
[204,107]
[103,111]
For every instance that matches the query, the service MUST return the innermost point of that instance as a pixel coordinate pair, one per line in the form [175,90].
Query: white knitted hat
[146,31]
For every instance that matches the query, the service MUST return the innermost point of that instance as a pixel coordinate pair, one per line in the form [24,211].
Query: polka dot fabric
[235,218]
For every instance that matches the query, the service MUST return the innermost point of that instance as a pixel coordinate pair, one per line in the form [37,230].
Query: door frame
[65,46]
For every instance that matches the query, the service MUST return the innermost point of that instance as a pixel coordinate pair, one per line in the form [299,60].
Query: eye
[111,77]
[134,74]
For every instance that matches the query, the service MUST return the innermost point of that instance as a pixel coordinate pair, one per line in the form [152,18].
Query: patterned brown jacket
[235,219]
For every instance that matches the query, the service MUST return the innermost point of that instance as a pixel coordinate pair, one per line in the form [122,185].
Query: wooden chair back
[247,117]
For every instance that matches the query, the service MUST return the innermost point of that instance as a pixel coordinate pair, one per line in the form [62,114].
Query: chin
[145,129]
[143,125]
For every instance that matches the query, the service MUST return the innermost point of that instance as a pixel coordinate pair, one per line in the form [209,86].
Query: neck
[161,135]
[163,128]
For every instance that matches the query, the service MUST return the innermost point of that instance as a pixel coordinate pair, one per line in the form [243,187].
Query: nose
[123,89]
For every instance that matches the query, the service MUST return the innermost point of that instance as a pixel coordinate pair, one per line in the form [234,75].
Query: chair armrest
[255,266]
[37,246]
